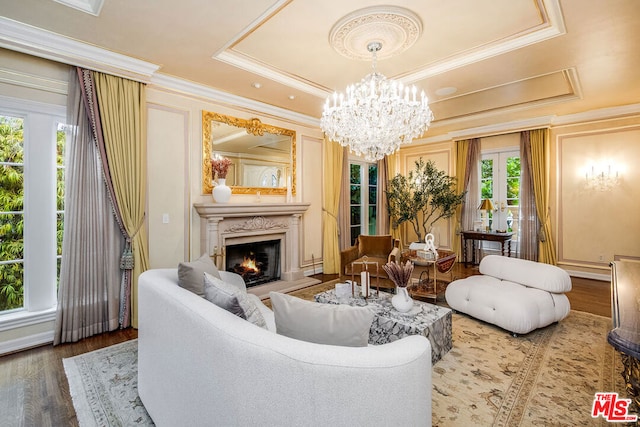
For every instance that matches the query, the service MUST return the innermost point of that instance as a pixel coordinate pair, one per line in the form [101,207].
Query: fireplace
[256,262]
[227,227]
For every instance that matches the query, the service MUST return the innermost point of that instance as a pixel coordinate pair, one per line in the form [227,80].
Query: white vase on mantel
[221,191]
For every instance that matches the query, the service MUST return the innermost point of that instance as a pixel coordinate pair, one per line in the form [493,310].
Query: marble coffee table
[431,321]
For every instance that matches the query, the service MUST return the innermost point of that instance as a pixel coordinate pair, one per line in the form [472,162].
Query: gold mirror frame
[255,127]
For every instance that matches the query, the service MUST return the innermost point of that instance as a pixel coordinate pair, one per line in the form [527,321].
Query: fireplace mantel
[224,223]
[250,209]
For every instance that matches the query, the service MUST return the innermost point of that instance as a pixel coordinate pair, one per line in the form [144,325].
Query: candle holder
[365,269]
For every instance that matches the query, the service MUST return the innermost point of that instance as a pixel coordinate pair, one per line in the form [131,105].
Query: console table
[487,236]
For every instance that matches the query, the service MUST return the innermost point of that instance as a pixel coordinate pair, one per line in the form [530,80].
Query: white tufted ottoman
[514,294]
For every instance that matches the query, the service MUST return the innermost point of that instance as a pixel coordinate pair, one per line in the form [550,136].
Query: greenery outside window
[32,141]
[363,206]
[500,182]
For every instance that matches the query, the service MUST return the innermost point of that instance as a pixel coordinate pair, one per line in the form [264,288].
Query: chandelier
[374,117]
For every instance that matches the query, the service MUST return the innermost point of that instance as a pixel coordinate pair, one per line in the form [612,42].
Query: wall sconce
[602,178]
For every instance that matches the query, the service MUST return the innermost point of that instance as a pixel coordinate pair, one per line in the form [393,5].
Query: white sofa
[514,294]
[199,365]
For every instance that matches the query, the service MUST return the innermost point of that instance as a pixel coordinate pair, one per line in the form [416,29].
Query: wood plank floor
[35,378]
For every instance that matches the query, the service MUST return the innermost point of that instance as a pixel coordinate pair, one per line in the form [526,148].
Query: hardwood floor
[35,379]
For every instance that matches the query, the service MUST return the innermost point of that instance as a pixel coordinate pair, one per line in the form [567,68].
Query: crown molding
[251,65]
[536,122]
[595,115]
[24,38]
[92,7]
[553,27]
[195,90]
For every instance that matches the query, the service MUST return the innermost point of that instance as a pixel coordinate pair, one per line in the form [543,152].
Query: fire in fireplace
[256,262]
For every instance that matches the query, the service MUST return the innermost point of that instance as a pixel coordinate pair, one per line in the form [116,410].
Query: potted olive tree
[422,198]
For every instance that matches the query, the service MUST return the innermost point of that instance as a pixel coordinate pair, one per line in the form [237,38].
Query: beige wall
[174,185]
[593,227]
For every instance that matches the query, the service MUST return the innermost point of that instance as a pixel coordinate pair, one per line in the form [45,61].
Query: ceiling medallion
[395,28]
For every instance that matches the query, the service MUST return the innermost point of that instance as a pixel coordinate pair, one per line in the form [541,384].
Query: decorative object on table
[399,115]
[400,274]
[487,206]
[343,290]
[429,252]
[365,277]
[509,222]
[219,167]
[365,283]
[422,197]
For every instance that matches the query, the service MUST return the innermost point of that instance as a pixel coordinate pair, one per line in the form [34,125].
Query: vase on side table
[221,191]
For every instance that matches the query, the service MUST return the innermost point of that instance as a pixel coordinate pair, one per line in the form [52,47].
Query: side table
[415,287]
[481,235]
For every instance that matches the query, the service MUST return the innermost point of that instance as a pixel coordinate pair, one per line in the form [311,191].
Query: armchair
[380,249]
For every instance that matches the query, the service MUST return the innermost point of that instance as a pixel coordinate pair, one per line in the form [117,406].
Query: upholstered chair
[381,249]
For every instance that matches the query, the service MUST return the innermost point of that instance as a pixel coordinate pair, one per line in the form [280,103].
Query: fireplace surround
[226,225]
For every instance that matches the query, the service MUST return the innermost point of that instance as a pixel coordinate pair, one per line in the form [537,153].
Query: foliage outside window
[11,213]
[12,177]
[363,207]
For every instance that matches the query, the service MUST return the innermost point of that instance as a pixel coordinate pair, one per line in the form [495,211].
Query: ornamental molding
[396,28]
[257,223]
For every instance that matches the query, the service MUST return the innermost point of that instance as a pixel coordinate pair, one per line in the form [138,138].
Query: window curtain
[467,163]
[90,278]
[391,170]
[540,176]
[333,160]
[528,218]
[382,219]
[344,207]
[123,115]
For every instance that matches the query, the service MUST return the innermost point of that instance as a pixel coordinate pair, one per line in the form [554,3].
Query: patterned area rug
[489,378]
[104,387]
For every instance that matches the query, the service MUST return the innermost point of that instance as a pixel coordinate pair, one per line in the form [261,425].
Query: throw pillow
[334,324]
[191,274]
[232,299]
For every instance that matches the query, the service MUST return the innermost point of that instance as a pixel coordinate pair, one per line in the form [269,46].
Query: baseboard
[24,343]
[588,275]
[316,270]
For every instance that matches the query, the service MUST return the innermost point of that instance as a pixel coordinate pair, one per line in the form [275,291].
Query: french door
[363,205]
[500,182]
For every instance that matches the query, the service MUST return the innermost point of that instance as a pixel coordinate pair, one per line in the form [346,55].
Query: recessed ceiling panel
[302,47]
[550,87]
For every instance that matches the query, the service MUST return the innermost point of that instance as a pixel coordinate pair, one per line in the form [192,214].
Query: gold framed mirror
[263,156]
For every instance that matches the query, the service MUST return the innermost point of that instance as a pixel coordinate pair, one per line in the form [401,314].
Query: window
[31,206]
[500,182]
[363,198]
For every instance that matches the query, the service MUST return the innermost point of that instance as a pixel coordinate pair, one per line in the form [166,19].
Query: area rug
[489,378]
[104,387]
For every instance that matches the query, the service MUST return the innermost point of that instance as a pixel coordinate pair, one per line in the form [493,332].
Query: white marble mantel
[221,224]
